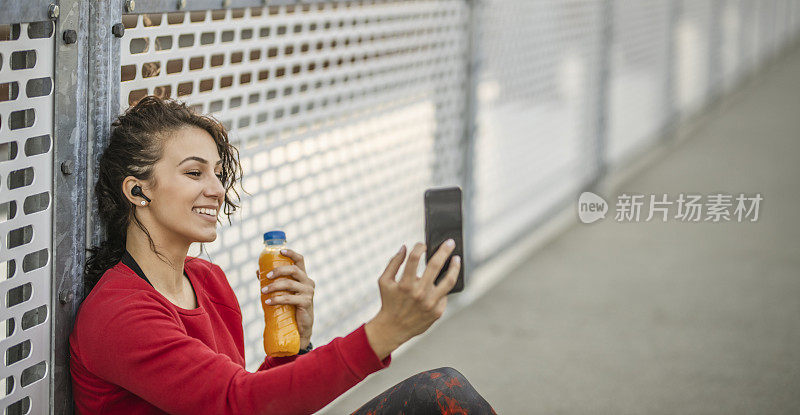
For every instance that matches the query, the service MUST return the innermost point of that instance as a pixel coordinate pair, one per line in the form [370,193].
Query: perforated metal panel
[794,13]
[537,112]
[26,131]
[749,34]
[638,76]
[343,114]
[795,20]
[748,27]
[692,36]
[766,29]
[731,51]
[780,13]
[782,18]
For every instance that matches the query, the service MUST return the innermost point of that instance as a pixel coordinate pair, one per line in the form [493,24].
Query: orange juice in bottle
[281,337]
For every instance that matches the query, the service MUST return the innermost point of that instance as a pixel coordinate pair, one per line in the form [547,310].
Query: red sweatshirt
[134,352]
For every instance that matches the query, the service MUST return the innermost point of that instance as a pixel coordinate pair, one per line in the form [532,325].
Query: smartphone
[443,222]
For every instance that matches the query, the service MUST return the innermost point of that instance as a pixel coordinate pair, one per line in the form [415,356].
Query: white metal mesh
[343,114]
[692,35]
[781,22]
[753,31]
[750,33]
[766,29]
[537,112]
[26,164]
[794,20]
[637,81]
[731,51]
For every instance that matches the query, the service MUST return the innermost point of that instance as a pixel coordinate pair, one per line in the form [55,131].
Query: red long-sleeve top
[134,352]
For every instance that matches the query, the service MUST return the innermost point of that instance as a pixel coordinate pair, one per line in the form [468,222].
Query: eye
[220,176]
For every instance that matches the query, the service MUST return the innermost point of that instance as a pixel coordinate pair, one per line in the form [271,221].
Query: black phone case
[443,220]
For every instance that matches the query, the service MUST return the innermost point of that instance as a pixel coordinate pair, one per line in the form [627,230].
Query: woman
[160,332]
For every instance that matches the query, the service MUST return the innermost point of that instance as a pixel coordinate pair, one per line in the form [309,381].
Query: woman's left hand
[297,290]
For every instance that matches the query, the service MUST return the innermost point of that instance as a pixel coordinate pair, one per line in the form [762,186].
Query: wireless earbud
[137,191]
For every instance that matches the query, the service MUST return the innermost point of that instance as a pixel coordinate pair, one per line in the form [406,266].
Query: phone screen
[443,222]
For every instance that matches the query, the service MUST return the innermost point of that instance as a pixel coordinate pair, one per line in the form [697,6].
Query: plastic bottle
[281,337]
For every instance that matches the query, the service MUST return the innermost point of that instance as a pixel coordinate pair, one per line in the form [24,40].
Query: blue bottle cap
[274,235]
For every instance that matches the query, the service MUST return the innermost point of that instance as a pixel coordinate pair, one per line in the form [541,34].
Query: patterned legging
[438,391]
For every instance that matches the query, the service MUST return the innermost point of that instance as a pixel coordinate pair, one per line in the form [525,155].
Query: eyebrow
[200,159]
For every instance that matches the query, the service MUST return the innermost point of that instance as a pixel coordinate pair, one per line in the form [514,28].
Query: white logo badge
[591,207]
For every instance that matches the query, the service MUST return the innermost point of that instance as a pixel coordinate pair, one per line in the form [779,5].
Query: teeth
[212,212]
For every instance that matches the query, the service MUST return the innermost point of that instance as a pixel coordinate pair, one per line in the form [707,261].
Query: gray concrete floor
[632,318]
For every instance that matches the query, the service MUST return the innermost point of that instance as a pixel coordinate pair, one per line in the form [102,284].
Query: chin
[206,238]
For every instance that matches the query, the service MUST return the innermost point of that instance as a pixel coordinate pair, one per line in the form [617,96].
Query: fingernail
[450,243]
[401,249]
[283,252]
[267,301]
[457,259]
[269,275]
[264,290]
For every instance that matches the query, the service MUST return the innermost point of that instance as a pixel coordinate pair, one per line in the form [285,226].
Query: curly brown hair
[136,144]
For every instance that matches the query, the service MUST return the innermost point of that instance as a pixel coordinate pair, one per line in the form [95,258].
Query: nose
[215,189]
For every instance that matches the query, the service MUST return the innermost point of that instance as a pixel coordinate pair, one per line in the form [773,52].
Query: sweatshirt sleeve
[270,362]
[141,347]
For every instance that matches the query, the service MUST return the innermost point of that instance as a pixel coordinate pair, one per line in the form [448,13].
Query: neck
[163,275]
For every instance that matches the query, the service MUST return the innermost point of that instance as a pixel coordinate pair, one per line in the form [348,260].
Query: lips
[206,217]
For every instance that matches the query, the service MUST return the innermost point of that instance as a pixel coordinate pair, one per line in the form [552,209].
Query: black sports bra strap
[128,260]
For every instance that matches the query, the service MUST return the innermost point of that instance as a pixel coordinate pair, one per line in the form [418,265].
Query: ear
[127,186]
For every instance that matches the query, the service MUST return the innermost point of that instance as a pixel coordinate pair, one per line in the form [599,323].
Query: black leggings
[438,391]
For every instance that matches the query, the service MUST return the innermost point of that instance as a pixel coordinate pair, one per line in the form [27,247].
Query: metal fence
[344,112]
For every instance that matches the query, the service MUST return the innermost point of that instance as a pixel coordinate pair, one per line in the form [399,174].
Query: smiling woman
[160,332]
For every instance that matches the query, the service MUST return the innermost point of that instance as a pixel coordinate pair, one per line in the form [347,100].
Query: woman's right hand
[412,304]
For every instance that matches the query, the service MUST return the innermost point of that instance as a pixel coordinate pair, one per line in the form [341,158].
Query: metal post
[473,62]
[743,66]
[715,40]
[103,96]
[672,113]
[69,190]
[602,98]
